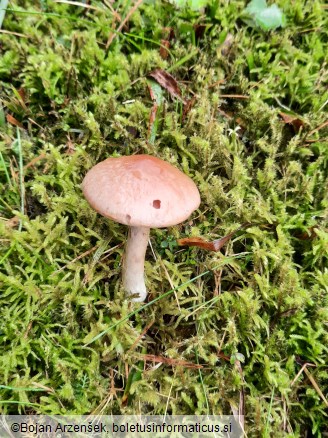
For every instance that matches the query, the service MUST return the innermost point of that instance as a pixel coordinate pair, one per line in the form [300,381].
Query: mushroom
[142,192]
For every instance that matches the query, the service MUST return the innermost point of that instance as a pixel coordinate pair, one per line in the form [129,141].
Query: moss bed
[250,128]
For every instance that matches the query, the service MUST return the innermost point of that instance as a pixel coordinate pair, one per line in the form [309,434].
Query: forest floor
[240,108]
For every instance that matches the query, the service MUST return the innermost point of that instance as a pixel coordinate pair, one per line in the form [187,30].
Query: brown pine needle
[312,380]
[145,330]
[300,372]
[35,160]
[13,33]
[235,96]
[115,13]
[323,125]
[85,253]
[315,385]
[126,19]
[169,361]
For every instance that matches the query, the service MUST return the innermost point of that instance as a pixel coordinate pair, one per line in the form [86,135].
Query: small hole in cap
[128,218]
[157,203]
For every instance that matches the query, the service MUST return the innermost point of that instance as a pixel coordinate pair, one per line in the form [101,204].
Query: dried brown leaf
[167,81]
[310,235]
[164,53]
[187,106]
[223,356]
[152,118]
[13,121]
[199,30]
[145,330]
[133,131]
[168,33]
[13,222]
[215,245]
[293,120]
[151,92]
[21,92]
[241,123]
[198,241]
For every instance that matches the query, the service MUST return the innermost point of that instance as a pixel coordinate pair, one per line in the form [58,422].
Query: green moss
[263,297]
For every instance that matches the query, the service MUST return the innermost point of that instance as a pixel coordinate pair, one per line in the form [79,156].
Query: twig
[215,84]
[300,372]
[126,19]
[115,13]
[35,160]
[321,139]
[217,281]
[145,330]
[12,33]
[323,125]
[169,361]
[85,253]
[315,385]
[235,96]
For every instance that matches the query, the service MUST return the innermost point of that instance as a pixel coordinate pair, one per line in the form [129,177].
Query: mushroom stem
[134,262]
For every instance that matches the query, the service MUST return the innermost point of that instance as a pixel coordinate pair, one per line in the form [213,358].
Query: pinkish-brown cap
[140,190]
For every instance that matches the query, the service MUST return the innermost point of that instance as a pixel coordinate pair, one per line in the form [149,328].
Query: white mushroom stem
[134,263]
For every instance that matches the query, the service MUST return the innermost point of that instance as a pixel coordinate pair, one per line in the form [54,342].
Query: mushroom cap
[140,190]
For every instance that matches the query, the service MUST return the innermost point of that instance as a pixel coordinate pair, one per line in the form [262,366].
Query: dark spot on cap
[128,218]
[157,203]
